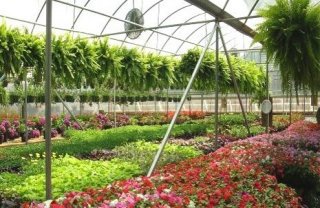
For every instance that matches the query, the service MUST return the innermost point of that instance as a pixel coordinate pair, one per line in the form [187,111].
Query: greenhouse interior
[159,103]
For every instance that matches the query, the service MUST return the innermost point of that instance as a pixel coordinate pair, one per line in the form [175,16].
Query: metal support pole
[234,80]
[184,96]
[25,109]
[268,96]
[47,135]
[290,105]
[68,109]
[114,102]
[202,102]
[217,89]
[167,100]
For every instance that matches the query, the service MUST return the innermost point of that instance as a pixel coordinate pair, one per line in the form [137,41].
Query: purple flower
[6,124]
[35,133]
[54,133]
[16,123]
[2,129]
[42,121]
[75,125]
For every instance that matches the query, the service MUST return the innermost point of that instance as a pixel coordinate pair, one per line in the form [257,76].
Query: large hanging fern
[290,34]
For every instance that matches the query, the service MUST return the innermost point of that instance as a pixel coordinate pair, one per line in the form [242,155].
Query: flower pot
[69,98]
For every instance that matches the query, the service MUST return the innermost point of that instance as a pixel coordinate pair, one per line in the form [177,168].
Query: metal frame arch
[170,15]
[38,16]
[114,13]
[169,37]
[116,18]
[76,19]
[251,10]
[224,7]
[214,41]
[193,32]
[155,4]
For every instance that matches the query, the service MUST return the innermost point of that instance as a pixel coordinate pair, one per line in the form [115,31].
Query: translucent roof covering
[183,24]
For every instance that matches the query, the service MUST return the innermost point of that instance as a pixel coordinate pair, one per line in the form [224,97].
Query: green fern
[290,34]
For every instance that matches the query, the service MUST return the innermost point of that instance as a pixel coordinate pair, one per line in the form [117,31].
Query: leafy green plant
[3,96]
[11,48]
[68,174]
[290,35]
[143,153]
[83,142]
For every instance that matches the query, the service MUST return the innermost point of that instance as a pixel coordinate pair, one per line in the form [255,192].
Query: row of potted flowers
[11,129]
[246,173]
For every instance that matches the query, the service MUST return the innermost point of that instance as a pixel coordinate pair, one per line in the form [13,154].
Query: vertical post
[48,59]
[114,101]
[290,105]
[202,102]
[167,100]
[184,96]
[267,80]
[25,109]
[234,80]
[217,88]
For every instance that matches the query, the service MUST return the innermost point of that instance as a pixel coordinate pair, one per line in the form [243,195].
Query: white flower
[191,204]
[113,203]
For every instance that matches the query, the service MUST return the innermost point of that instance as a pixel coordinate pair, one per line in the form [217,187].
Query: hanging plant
[62,57]
[33,55]
[133,69]
[84,62]
[11,48]
[3,96]
[108,61]
[290,35]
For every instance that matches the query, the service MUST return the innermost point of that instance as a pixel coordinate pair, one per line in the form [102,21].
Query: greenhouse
[158,103]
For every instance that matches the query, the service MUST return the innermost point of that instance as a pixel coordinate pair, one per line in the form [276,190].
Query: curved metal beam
[194,31]
[250,12]
[170,15]
[76,19]
[116,18]
[165,43]
[114,13]
[38,16]
[223,9]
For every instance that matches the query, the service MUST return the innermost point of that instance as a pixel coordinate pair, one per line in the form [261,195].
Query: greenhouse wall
[281,104]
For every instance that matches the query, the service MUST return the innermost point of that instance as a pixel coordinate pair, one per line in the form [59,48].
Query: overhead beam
[220,14]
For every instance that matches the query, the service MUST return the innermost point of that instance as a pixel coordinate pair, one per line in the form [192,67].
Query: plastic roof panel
[89,18]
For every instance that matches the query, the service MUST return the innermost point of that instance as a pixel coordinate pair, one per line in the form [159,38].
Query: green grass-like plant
[143,153]
[68,174]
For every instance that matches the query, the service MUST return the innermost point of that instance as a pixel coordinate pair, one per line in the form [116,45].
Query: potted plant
[290,36]
[22,132]
[69,98]
[84,97]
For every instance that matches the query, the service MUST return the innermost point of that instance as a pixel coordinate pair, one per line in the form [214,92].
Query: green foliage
[237,119]
[290,35]
[143,153]
[133,69]
[84,63]
[3,96]
[305,182]
[68,174]
[109,62]
[79,63]
[83,142]
[237,131]
[11,49]
[249,77]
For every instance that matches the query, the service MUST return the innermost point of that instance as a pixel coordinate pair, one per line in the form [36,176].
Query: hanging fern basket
[290,35]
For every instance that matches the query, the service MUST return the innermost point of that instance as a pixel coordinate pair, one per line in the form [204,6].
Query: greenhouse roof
[170,27]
